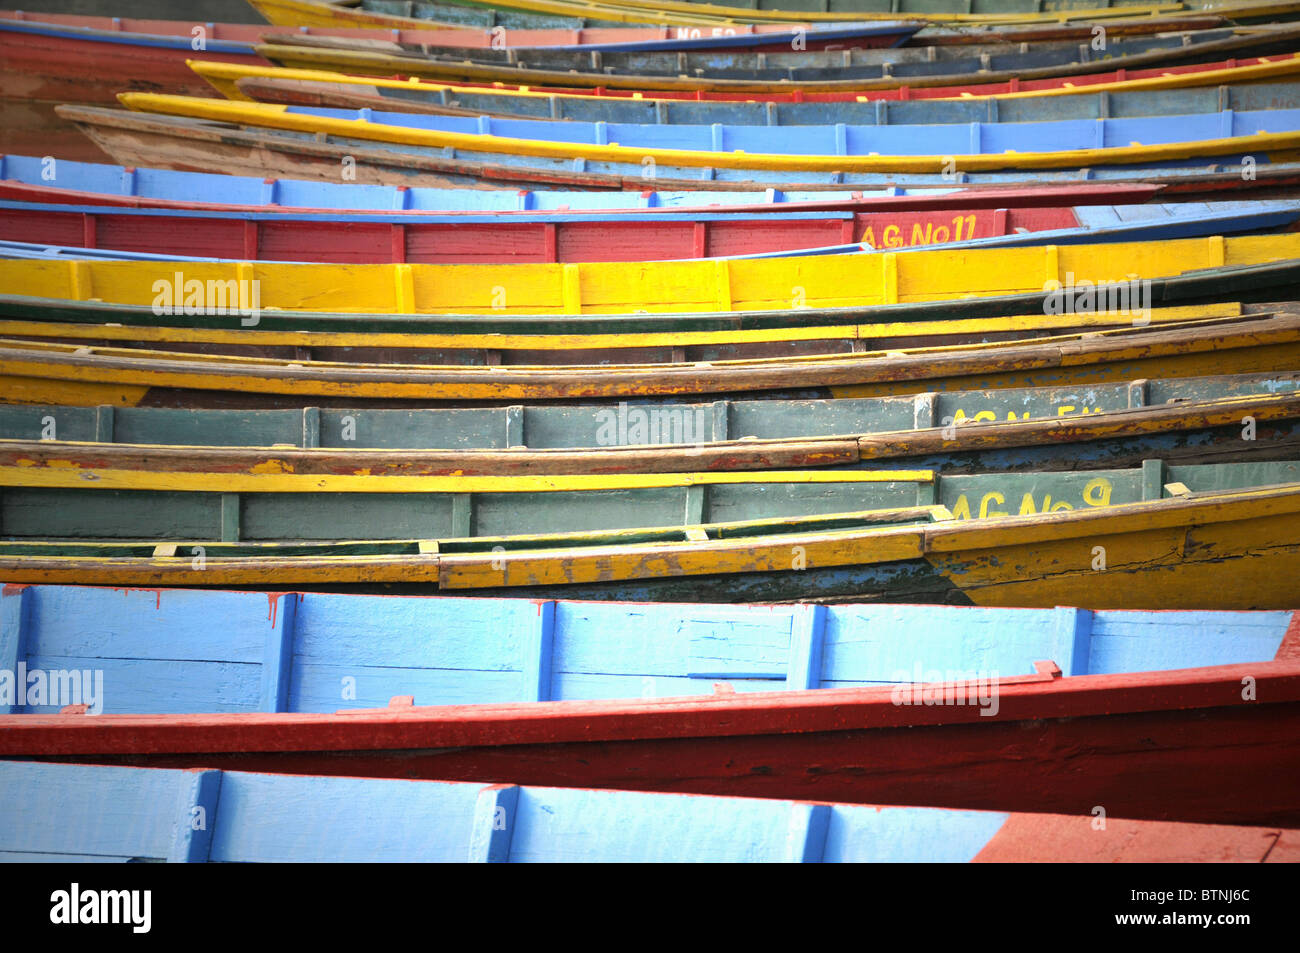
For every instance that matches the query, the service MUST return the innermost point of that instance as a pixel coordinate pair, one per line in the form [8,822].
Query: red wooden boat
[66,58]
[471,38]
[1208,745]
[52,62]
[452,239]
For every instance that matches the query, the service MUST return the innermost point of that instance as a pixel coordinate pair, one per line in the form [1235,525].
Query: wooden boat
[1169,746]
[481,157]
[176,142]
[798,65]
[1242,88]
[474,823]
[74,374]
[1017,72]
[1139,22]
[56,63]
[600,340]
[679,287]
[676,438]
[93,183]
[1243,557]
[562,525]
[621,236]
[386,15]
[650,38]
[457,651]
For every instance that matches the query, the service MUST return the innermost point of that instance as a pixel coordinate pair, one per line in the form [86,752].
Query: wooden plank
[806,647]
[277,663]
[538,654]
[1072,632]
[806,841]
[196,816]
[495,813]
[15,619]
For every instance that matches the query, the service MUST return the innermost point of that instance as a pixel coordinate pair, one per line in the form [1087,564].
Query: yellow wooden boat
[1279,146]
[697,286]
[81,375]
[494,347]
[225,77]
[1231,548]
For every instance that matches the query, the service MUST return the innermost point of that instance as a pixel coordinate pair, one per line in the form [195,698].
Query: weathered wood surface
[1170,746]
[1262,426]
[254,817]
[860,71]
[44,373]
[376,13]
[523,429]
[590,341]
[175,651]
[1222,549]
[724,60]
[742,35]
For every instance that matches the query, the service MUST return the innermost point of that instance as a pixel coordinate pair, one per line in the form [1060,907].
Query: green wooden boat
[1197,420]
[1198,536]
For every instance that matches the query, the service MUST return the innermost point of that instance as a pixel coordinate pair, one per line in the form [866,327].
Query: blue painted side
[174,651]
[1229,162]
[854,140]
[346,196]
[63,812]
[92,35]
[277,659]
[15,619]
[495,822]
[200,791]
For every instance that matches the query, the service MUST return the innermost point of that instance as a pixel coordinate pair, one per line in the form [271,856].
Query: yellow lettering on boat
[992,497]
[1097,492]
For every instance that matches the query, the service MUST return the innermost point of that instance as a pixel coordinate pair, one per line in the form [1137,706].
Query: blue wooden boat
[840,139]
[618,236]
[175,651]
[1082,105]
[462,822]
[24,178]
[55,813]
[140,139]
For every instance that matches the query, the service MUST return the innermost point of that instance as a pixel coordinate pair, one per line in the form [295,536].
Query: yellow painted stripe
[273,116]
[277,477]
[669,286]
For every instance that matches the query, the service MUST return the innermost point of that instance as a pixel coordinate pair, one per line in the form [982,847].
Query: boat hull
[1171,746]
[50,66]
